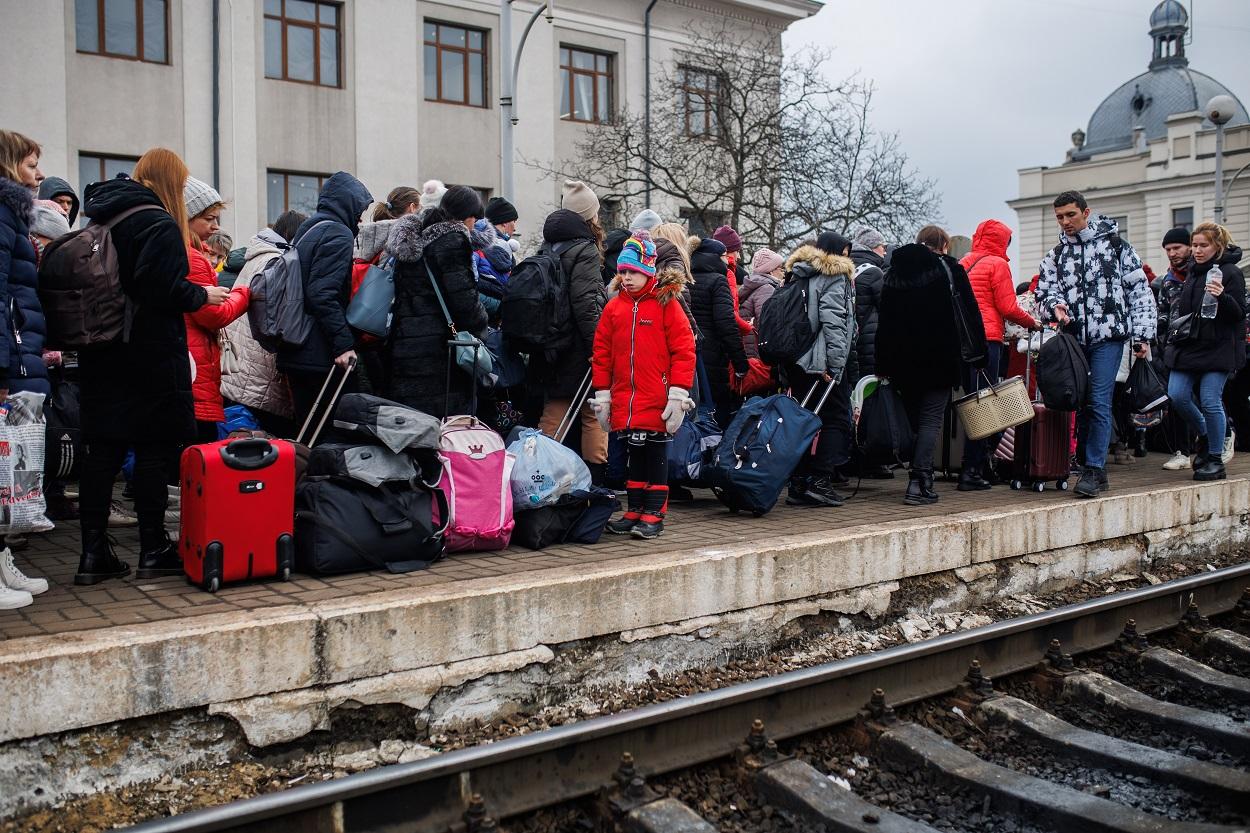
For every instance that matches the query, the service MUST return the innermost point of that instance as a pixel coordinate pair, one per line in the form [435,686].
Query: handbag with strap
[370,310]
[971,350]
[471,355]
[230,361]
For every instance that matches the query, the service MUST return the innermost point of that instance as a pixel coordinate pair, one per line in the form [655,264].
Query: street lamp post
[509,68]
[1220,110]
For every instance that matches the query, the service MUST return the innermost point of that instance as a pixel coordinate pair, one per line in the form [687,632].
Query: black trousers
[305,385]
[833,448]
[925,409]
[155,463]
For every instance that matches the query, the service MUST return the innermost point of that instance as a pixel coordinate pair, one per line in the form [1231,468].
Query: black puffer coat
[417,352]
[1220,342]
[713,307]
[140,391]
[21,365]
[918,345]
[582,266]
[612,245]
[325,257]
[868,278]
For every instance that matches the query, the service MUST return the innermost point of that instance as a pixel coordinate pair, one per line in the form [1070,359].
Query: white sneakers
[1179,461]
[1230,443]
[16,588]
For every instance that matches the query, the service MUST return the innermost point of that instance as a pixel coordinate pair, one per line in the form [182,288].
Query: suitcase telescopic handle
[249,454]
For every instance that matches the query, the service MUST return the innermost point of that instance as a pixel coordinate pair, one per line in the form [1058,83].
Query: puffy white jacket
[260,385]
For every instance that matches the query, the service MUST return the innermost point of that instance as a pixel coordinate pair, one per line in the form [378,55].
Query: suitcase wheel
[286,573]
[733,510]
[1062,485]
[1016,485]
[1039,486]
[213,585]
[757,514]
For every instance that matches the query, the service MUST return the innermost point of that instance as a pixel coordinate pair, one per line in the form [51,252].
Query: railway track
[1197,740]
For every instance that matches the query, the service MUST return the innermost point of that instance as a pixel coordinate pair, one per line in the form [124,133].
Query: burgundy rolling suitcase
[238,504]
[1042,447]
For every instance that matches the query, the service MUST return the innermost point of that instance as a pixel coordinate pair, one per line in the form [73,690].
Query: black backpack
[536,315]
[884,433]
[783,332]
[1062,373]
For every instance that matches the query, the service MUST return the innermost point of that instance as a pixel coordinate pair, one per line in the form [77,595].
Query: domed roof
[1167,14]
[1147,101]
[1167,88]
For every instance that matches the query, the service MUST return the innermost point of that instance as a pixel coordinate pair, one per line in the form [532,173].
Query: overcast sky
[990,86]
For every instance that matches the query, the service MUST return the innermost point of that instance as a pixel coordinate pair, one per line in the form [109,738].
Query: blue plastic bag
[544,471]
[238,418]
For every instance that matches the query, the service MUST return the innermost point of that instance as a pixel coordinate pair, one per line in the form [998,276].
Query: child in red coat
[643,370]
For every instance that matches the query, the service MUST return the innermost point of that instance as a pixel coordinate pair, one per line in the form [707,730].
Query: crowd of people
[657,317]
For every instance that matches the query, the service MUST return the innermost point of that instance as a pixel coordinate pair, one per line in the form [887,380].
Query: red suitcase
[1043,446]
[238,511]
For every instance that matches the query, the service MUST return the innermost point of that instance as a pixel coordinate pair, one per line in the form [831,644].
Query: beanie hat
[1176,235]
[500,211]
[710,245]
[765,261]
[432,193]
[645,219]
[49,222]
[832,243]
[459,202]
[199,197]
[868,238]
[579,199]
[729,237]
[638,254]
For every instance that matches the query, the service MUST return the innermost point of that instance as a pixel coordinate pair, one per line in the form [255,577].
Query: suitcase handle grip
[249,454]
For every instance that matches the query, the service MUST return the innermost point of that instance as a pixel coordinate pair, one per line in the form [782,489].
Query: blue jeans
[1104,362]
[1209,422]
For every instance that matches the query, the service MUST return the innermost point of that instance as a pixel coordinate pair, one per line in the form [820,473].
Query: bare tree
[766,144]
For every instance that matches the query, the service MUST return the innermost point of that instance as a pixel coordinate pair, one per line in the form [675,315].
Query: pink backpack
[476,480]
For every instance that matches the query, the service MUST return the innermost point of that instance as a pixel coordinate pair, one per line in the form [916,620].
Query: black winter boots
[98,561]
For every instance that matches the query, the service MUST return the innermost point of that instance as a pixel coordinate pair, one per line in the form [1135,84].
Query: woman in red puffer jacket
[643,363]
[204,207]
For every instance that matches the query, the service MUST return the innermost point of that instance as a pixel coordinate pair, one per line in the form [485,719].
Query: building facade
[1147,158]
[395,91]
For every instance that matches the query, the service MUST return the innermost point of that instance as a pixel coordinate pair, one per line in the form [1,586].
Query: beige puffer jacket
[260,385]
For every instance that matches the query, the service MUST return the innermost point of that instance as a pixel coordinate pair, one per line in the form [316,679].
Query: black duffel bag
[576,518]
[884,433]
[345,526]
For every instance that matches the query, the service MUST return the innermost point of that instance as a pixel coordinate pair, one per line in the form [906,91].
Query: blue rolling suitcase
[761,448]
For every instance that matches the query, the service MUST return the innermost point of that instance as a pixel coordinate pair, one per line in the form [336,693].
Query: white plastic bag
[22,429]
[545,471]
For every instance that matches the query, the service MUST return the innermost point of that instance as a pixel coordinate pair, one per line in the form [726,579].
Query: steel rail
[532,771]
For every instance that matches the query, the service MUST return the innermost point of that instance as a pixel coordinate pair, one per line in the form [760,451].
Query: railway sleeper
[1230,642]
[1220,782]
[1187,670]
[1090,687]
[664,815]
[803,791]
[1025,796]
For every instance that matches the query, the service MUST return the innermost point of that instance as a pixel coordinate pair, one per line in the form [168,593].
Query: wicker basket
[994,409]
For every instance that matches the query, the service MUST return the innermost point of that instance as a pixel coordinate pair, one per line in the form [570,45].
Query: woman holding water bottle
[1206,342]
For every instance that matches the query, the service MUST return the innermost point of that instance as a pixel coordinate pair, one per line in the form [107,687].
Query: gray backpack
[276,311]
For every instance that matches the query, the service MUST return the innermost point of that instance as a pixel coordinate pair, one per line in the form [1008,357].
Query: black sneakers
[1092,482]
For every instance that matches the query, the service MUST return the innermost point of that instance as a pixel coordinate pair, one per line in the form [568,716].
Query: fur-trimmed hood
[372,238]
[18,199]
[666,285]
[407,240]
[816,261]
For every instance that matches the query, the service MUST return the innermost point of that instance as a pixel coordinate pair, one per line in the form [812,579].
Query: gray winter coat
[1100,279]
[830,308]
[260,384]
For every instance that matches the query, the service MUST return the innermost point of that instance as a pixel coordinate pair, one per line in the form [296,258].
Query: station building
[267,98]
[1147,157]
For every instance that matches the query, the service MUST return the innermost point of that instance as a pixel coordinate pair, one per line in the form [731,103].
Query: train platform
[278,656]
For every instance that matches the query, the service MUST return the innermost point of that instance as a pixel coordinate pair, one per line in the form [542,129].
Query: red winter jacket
[202,327]
[991,279]
[732,273]
[643,346]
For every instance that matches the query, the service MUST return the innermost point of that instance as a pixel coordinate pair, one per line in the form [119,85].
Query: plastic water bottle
[1209,302]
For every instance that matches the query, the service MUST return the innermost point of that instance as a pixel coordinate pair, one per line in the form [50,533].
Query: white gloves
[601,404]
[679,402]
